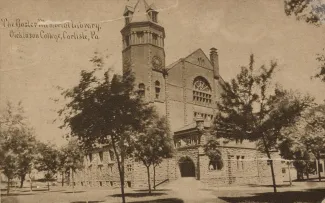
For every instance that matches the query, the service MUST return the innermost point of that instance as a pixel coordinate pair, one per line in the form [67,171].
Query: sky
[31,69]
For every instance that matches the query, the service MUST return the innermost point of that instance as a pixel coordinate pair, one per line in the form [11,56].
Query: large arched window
[201,91]
[142,90]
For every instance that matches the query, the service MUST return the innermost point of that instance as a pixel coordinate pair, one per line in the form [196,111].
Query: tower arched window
[140,37]
[127,41]
[142,90]
[202,91]
[155,39]
[157,89]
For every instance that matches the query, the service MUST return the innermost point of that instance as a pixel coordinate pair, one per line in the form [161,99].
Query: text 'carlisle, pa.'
[65,30]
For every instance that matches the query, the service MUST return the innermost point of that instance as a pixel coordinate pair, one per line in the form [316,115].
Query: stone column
[132,38]
[149,37]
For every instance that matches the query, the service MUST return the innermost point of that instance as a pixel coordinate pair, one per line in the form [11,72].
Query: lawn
[314,193]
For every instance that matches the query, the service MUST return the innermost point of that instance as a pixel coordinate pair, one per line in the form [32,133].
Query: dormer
[153,13]
[128,13]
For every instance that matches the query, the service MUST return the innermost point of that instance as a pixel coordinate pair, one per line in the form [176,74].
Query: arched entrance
[187,167]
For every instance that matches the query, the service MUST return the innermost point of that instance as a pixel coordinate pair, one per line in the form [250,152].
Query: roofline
[179,60]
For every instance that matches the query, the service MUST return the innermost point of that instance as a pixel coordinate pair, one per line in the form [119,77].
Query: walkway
[190,190]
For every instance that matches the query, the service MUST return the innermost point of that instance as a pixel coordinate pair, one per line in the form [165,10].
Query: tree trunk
[319,175]
[273,176]
[289,174]
[22,179]
[298,175]
[307,170]
[154,177]
[148,173]
[69,178]
[62,178]
[31,182]
[8,186]
[72,176]
[271,163]
[48,185]
[120,170]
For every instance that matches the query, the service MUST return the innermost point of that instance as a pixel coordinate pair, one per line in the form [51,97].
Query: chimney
[214,58]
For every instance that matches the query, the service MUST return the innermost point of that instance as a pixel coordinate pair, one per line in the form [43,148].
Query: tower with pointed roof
[143,50]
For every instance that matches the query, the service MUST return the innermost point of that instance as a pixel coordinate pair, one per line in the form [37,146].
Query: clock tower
[143,50]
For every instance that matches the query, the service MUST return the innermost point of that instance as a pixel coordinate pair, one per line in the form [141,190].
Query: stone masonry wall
[250,168]
[164,171]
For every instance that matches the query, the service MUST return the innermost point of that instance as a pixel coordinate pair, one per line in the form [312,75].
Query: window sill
[159,100]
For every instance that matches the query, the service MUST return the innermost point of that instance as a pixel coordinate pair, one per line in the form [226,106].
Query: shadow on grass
[146,190]
[278,186]
[16,194]
[142,194]
[34,192]
[68,192]
[168,200]
[9,200]
[87,202]
[310,196]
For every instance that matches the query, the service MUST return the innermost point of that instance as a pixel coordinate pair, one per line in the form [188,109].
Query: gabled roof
[170,66]
[188,56]
[197,51]
[152,7]
[128,9]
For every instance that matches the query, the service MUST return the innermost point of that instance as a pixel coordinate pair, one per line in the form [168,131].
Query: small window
[242,162]
[100,156]
[111,155]
[157,89]
[238,165]
[142,90]
[129,167]
[200,61]
[283,170]
[154,17]
[129,183]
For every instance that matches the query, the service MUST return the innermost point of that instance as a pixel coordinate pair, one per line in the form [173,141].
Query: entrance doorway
[187,167]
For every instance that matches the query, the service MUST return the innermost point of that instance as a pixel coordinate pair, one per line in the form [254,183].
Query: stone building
[185,92]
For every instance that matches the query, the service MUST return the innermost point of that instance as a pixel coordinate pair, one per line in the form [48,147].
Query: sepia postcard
[162,101]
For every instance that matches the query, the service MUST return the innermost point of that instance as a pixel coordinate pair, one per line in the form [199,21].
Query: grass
[306,196]
[252,194]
